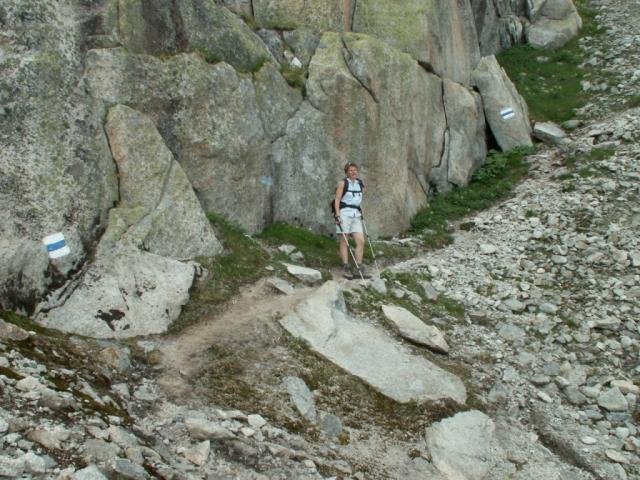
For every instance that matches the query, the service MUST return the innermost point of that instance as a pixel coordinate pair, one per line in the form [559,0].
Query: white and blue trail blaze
[56,245]
[507,113]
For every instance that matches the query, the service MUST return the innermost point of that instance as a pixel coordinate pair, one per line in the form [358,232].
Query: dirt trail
[184,354]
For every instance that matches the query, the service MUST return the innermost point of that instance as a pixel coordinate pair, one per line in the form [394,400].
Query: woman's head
[350,166]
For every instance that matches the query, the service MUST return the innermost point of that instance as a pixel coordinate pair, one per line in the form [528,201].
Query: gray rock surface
[301,397]
[374,357]
[549,132]
[414,329]
[461,445]
[553,23]
[499,97]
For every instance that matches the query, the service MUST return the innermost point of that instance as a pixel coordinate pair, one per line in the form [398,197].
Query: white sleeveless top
[353,196]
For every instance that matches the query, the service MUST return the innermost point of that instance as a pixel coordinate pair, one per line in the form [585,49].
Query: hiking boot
[363,271]
[346,272]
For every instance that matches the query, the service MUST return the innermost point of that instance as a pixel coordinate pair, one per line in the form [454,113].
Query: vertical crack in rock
[352,14]
[444,154]
[345,51]
[181,39]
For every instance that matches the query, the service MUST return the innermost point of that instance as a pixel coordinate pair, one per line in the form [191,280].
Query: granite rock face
[507,113]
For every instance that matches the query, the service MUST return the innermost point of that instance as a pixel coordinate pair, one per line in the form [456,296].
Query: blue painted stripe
[52,247]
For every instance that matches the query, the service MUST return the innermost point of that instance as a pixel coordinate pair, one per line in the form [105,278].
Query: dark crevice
[445,148]
[426,66]
[182,43]
[354,3]
[345,51]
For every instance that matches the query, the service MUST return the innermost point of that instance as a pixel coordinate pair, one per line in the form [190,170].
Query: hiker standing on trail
[349,219]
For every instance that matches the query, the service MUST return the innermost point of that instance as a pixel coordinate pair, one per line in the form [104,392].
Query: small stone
[331,425]
[514,305]
[256,421]
[488,249]
[544,397]
[549,308]
[247,432]
[199,454]
[90,473]
[379,285]
[616,456]
[613,400]
[128,469]
[9,331]
[287,249]
[304,274]
[280,285]
[588,440]
[626,387]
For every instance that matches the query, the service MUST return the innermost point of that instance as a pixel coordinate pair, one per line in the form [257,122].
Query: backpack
[332,204]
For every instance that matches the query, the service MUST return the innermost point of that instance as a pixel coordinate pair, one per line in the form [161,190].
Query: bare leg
[344,252]
[359,239]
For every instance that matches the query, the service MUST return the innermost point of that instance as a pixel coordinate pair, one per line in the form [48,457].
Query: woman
[348,210]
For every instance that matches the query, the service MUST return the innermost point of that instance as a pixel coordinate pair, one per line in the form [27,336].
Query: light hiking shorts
[349,225]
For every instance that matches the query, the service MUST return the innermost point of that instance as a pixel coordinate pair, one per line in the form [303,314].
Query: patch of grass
[552,88]
[492,182]
[29,325]
[319,251]
[633,102]
[568,187]
[243,262]
[530,213]
[295,77]
[599,154]
[451,306]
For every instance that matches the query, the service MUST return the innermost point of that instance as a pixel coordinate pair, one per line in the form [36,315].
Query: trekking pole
[350,250]
[375,262]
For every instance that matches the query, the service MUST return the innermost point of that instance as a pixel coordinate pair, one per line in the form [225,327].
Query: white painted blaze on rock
[56,245]
[368,352]
[414,329]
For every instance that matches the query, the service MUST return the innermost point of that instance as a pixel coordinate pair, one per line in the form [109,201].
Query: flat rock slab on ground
[368,352]
[414,329]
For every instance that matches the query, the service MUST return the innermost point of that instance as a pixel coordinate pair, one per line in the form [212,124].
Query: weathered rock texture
[56,173]
[368,352]
[260,103]
[136,286]
[506,111]
[553,23]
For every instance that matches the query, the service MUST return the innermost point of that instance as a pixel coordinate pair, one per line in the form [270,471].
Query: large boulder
[316,15]
[356,88]
[56,172]
[505,110]
[498,24]
[217,123]
[465,138]
[133,287]
[174,224]
[439,34]
[553,23]
[124,293]
[168,26]
[368,352]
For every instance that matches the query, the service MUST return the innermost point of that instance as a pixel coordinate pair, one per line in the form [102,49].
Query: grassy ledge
[549,81]
[492,182]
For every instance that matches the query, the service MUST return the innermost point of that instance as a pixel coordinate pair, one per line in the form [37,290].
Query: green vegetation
[492,182]
[318,251]
[549,81]
[243,262]
[633,102]
[295,77]
[29,325]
